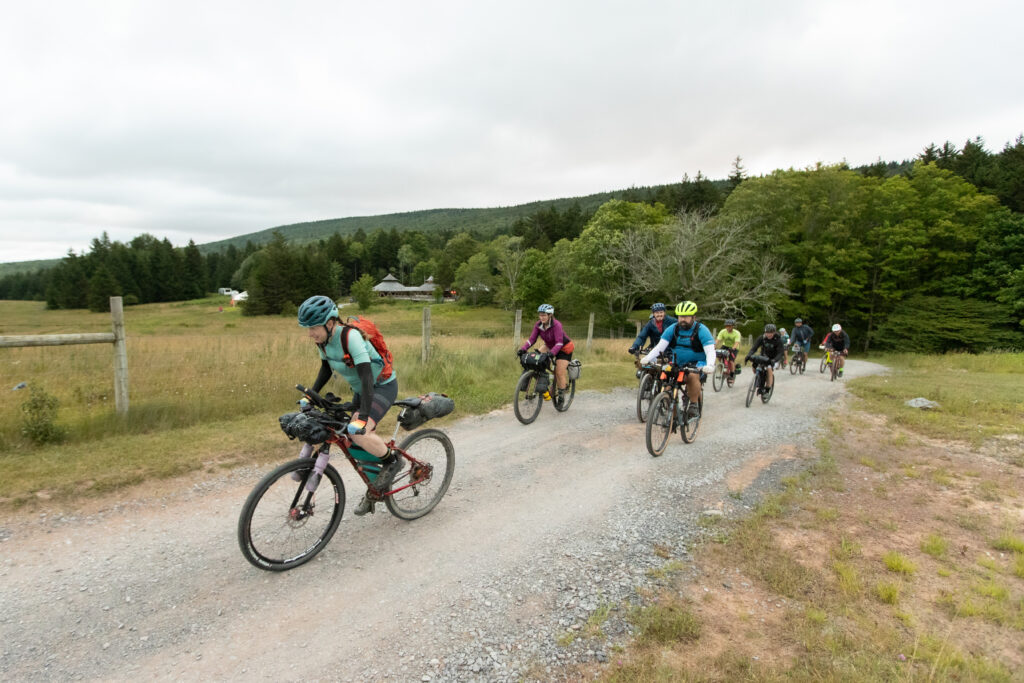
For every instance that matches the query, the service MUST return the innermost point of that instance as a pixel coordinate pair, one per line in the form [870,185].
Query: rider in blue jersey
[691,342]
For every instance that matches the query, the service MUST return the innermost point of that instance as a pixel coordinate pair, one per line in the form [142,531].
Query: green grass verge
[979,395]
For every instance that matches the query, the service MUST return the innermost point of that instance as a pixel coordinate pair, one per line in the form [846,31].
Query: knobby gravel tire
[659,423]
[752,389]
[644,395]
[275,536]
[567,397]
[435,451]
[527,402]
[688,428]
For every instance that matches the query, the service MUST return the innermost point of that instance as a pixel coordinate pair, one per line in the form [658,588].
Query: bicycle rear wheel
[429,473]
[824,363]
[718,379]
[688,429]
[644,394]
[659,422]
[282,525]
[527,402]
[803,363]
[566,400]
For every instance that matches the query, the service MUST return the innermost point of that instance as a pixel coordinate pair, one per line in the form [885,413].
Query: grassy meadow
[896,554]
[980,396]
[207,384]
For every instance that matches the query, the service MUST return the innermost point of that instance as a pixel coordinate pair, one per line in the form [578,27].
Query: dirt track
[542,525]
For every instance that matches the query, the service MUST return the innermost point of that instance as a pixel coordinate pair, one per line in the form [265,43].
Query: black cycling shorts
[384,396]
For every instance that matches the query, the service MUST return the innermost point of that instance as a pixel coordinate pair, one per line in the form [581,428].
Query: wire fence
[181,375]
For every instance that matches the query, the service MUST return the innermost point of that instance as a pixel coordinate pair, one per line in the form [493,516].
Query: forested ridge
[927,253]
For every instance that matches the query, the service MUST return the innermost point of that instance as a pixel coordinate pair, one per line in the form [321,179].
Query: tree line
[886,249]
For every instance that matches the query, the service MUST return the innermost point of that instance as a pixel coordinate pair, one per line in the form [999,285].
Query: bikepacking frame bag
[427,408]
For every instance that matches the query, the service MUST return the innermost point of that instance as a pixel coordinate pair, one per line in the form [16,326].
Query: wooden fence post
[517,332]
[637,327]
[750,340]
[120,356]
[590,332]
[426,335]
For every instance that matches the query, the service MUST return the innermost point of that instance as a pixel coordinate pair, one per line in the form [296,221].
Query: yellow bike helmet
[686,308]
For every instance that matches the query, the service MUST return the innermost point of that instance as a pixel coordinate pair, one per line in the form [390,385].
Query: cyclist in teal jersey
[362,368]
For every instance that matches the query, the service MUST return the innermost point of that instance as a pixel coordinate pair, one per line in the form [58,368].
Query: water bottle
[322,457]
[306,452]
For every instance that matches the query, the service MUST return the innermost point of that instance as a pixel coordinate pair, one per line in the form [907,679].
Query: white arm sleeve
[662,345]
[709,356]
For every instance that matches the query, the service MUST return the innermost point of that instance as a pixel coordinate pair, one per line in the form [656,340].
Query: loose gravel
[547,536]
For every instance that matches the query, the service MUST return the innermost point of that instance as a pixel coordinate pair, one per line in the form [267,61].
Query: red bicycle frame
[419,472]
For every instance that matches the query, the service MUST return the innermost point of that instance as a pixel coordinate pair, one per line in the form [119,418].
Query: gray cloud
[204,120]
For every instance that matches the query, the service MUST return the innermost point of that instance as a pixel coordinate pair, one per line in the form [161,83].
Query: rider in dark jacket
[802,333]
[652,331]
[771,343]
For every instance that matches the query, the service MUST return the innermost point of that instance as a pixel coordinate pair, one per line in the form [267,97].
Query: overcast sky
[204,120]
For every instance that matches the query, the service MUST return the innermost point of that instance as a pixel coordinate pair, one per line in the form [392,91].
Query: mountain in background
[485,221]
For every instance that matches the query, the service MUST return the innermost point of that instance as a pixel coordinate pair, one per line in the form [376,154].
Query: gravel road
[543,525]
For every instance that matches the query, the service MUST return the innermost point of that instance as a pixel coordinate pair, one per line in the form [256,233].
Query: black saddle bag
[417,411]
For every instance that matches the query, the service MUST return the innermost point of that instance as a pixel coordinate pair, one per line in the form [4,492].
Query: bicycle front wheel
[753,388]
[766,393]
[659,422]
[282,525]
[689,426]
[794,365]
[425,474]
[527,401]
[644,394]
[835,368]
[562,404]
[718,379]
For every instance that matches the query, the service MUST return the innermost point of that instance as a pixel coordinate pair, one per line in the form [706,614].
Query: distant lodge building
[391,288]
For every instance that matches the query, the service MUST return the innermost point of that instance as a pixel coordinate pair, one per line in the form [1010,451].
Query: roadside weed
[934,545]
[888,592]
[895,562]
[1009,542]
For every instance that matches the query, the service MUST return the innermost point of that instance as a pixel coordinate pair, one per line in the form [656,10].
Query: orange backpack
[370,333]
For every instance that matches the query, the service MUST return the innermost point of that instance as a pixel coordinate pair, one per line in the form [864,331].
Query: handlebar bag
[304,427]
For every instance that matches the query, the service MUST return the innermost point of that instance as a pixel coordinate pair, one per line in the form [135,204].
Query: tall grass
[194,368]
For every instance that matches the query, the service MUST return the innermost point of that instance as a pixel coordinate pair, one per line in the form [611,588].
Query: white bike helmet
[837,327]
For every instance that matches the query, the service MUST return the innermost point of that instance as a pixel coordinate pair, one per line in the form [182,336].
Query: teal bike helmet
[317,310]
